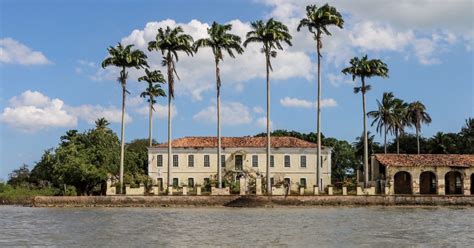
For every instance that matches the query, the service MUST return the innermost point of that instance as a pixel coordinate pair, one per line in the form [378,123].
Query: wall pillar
[441,189]
[467,185]
[415,186]
[198,190]
[243,185]
[258,186]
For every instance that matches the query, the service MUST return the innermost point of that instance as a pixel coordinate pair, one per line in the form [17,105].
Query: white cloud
[371,36]
[295,102]
[403,29]
[338,80]
[232,113]
[258,109]
[32,111]
[134,101]
[262,123]
[161,111]
[197,73]
[14,52]
[301,103]
[90,113]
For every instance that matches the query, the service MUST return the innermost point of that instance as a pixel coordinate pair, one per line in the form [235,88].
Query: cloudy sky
[51,80]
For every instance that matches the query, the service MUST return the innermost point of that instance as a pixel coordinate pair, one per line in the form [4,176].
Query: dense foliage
[83,162]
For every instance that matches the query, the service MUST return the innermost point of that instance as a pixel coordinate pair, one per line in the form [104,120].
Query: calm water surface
[204,227]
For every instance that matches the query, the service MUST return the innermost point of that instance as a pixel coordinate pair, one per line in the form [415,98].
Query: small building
[437,174]
[195,160]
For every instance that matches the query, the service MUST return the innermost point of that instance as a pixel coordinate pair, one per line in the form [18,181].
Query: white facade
[191,167]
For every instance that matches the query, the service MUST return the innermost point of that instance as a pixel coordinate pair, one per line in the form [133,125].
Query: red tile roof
[236,142]
[435,160]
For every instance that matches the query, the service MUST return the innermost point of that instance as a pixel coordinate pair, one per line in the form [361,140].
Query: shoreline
[238,201]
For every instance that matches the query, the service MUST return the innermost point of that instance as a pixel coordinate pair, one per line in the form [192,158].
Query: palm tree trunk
[122,132]
[150,123]
[418,139]
[366,145]
[268,124]
[385,139]
[398,141]
[218,86]
[170,80]
[318,155]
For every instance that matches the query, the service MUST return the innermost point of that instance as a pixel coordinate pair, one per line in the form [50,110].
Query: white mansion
[195,160]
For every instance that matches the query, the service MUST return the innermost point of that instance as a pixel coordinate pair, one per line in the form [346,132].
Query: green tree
[154,90]
[124,57]
[365,68]
[220,40]
[384,116]
[170,42]
[271,34]
[416,116]
[466,137]
[399,120]
[317,21]
[20,177]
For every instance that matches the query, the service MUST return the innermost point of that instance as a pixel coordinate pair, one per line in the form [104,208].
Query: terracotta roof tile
[435,160]
[227,142]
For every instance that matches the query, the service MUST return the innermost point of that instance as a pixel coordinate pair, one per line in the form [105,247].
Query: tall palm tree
[364,68]
[124,57]
[220,40]
[271,34]
[400,120]
[384,116]
[171,41]
[317,21]
[153,78]
[417,115]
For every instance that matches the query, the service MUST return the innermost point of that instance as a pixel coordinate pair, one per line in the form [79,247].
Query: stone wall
[246,201]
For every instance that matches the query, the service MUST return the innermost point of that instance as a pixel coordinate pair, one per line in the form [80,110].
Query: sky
[51,79]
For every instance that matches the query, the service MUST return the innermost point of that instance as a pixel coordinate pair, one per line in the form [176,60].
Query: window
[303,161]
[254,161]
[272,161]
[272,181]
[287,181]
[238,162]
[303,182]
[175,160]
[159,160]
[287,160]
[222,160]
[175,182]
[206,161]
[190,160]
[191,182]
[206,181]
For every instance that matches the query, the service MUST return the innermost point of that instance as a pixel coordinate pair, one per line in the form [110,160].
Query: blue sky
[51,80]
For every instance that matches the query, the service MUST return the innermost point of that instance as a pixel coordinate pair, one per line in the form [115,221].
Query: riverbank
[241,201]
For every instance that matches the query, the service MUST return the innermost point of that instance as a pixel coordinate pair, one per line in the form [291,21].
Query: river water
[229,227]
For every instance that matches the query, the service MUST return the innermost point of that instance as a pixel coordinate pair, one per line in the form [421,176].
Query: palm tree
[124,57]
[271,34]
[317,21]
[417,115]
[364,68]
[220,40]
[171,41]
[101,123]
[399,120]
[384,116]
[153,78]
